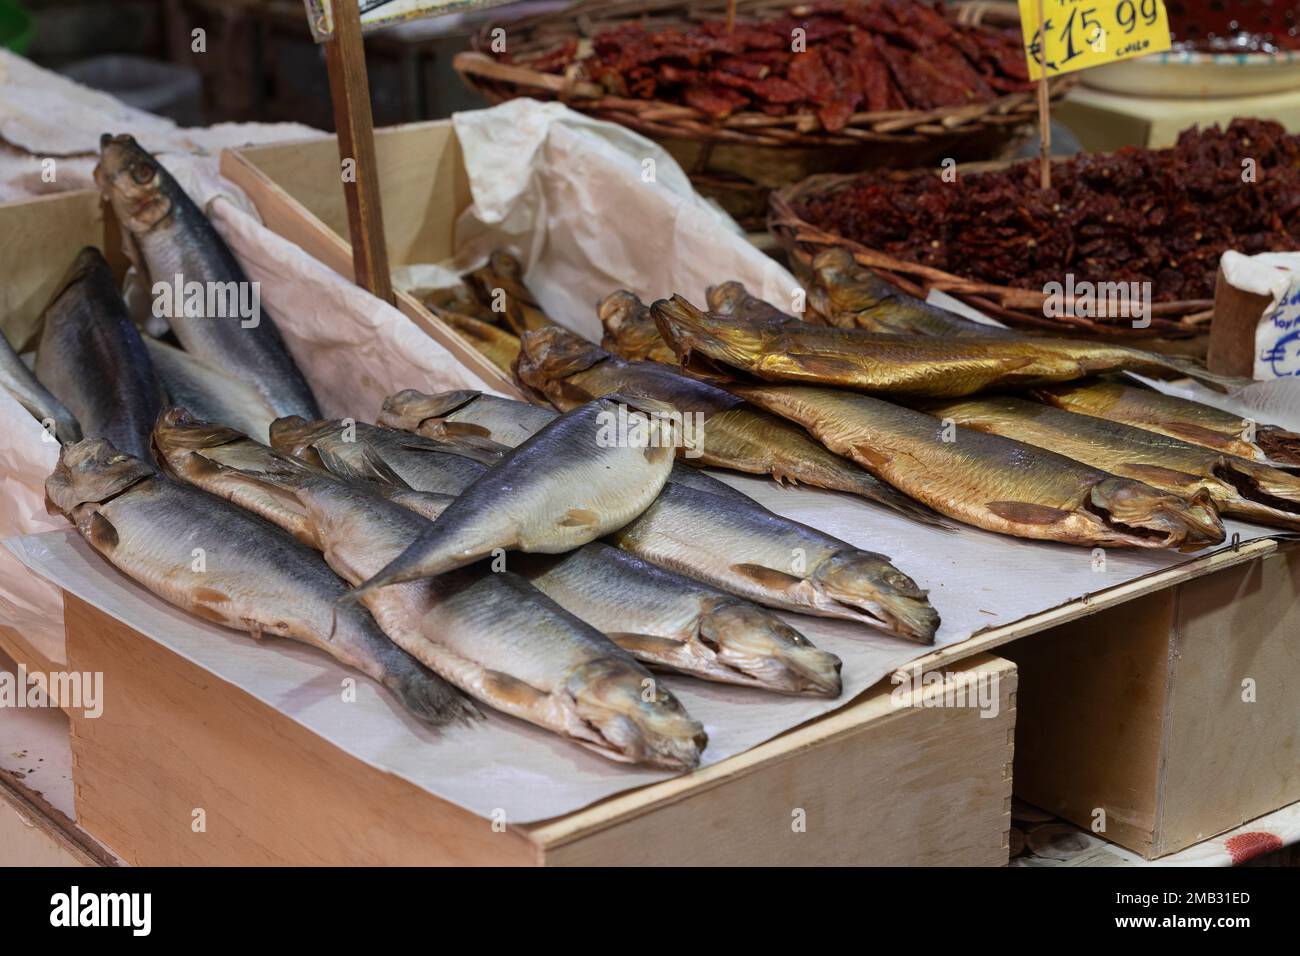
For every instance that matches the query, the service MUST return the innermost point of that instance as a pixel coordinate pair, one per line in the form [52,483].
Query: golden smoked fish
[1242,488]
[849,296]
[498,346]
[992,482]
[490,633]
[914,365]
[500,285]
[630,330]
[253,578]
[587,473]
[732,298]
[1194,422]
[731,433]
[728,540]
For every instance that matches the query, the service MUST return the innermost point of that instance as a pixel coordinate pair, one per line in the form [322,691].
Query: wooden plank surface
[39,240]
[876,783]
[345,59]
[1092,717]
[1230,758]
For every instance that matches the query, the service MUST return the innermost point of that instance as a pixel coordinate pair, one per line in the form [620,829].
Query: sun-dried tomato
[1164,216]
[871,56]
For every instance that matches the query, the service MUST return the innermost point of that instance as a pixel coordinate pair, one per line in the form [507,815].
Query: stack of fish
[1058,445]
[467,551]
[490,309]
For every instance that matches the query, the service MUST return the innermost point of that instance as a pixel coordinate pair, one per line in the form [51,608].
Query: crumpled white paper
[590,207]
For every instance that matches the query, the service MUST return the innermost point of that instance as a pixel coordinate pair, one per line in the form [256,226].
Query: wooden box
[877,783]
[298,190]
[1172,717]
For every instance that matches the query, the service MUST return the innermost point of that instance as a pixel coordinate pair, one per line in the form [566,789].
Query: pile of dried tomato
[1164,216]
[857,57]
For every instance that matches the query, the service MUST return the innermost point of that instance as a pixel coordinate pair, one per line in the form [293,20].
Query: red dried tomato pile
[1164,216]
[858,57]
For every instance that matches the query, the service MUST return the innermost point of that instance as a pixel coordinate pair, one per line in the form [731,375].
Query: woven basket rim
[499,81]
[1023,307]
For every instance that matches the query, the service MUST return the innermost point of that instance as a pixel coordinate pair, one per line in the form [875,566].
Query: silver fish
[209,393]
[92,357]
[467,414]
[756,554]
[170,240]
[571,483]
[663,618]
[17,379]
[359,451]
[492,634]
[751,552]
[255,578]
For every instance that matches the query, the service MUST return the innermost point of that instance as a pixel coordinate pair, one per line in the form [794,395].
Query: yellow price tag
[1084,33]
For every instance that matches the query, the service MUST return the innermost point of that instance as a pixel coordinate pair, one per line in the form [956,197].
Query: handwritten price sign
[1078,34]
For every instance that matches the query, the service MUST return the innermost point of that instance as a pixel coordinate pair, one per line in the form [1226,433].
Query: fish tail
[1278,444]
[1194,369]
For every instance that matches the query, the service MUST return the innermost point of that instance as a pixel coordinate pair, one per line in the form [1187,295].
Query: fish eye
[142,172]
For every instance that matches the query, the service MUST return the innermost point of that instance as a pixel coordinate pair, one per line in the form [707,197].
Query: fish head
[410,408]
[133,182]
[1137,514]
[754,642]
[878,592]
[709,343]
[634,717]
[178,431]
[294,435]
[726,298]
[549,356]
[622,310]
[91,471]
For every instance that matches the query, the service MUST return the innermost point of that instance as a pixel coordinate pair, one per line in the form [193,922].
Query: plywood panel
[39,241]
[1092,716]
[1231,759]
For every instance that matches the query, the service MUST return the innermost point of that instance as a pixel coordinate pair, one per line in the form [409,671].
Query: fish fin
[1155,475]
[580,517]
[102,532]
[1198,434]
[1026,512]
[766,577]
[502,689]
[869,457]
[371,467]
[211,596]
[647,647]
[1278,444]
[464,430]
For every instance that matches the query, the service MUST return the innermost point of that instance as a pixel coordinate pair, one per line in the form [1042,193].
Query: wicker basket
[1022,308]
[740,159]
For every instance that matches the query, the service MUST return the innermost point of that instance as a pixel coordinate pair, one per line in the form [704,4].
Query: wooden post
[731,16]
[345,57]
[1044,103]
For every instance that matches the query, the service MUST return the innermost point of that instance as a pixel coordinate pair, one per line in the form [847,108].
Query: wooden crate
[1137,708]
[879,784]
[298,191]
